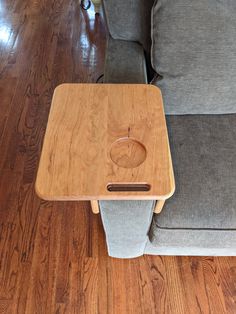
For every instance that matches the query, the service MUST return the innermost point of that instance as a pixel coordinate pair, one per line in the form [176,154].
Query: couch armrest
[125,62]
[126,225]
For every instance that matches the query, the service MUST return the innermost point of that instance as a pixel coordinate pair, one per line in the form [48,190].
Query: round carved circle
[128,153]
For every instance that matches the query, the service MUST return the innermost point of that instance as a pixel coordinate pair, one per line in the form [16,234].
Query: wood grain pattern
[103,134]
[159,206]
[95,207]
[53,256]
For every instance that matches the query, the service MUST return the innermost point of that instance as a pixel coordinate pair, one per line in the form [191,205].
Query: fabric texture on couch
[193,50]
[190,242]
[126,225]
[202,212]
[126,66]
[130,20]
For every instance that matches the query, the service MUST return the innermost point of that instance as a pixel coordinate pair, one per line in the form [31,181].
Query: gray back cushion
[194,51]
[129,20]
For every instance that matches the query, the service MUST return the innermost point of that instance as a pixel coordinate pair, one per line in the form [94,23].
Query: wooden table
[106,142]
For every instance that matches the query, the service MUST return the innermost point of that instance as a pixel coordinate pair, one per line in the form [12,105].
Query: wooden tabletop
[104,142]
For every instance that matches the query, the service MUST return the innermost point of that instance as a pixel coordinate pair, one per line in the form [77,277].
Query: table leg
[95,207]
[159,206]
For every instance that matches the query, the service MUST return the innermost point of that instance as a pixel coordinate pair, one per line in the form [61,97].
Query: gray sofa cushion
[194,44]
[129,20]
[191,242]
[204,158]
[202,212]
[127,66]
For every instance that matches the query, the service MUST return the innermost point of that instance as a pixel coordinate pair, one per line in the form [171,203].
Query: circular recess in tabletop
[128,153]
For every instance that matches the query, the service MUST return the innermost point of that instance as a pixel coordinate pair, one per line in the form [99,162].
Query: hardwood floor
[53,256]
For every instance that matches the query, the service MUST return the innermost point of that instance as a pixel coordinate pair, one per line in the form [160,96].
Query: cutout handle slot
[128,187]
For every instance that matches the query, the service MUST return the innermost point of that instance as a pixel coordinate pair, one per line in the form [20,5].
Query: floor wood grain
[53,255]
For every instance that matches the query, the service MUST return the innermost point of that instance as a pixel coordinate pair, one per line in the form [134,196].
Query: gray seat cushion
[193,50]
[129,20]
[125,62]
[202,212]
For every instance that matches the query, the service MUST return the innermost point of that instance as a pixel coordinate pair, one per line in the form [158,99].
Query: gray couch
[191,45]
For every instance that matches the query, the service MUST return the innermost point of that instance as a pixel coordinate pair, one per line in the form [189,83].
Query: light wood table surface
[106,142]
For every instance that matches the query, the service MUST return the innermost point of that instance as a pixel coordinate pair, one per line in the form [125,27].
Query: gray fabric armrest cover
[126,225]
[130,20]
[125,62]
[193,49]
